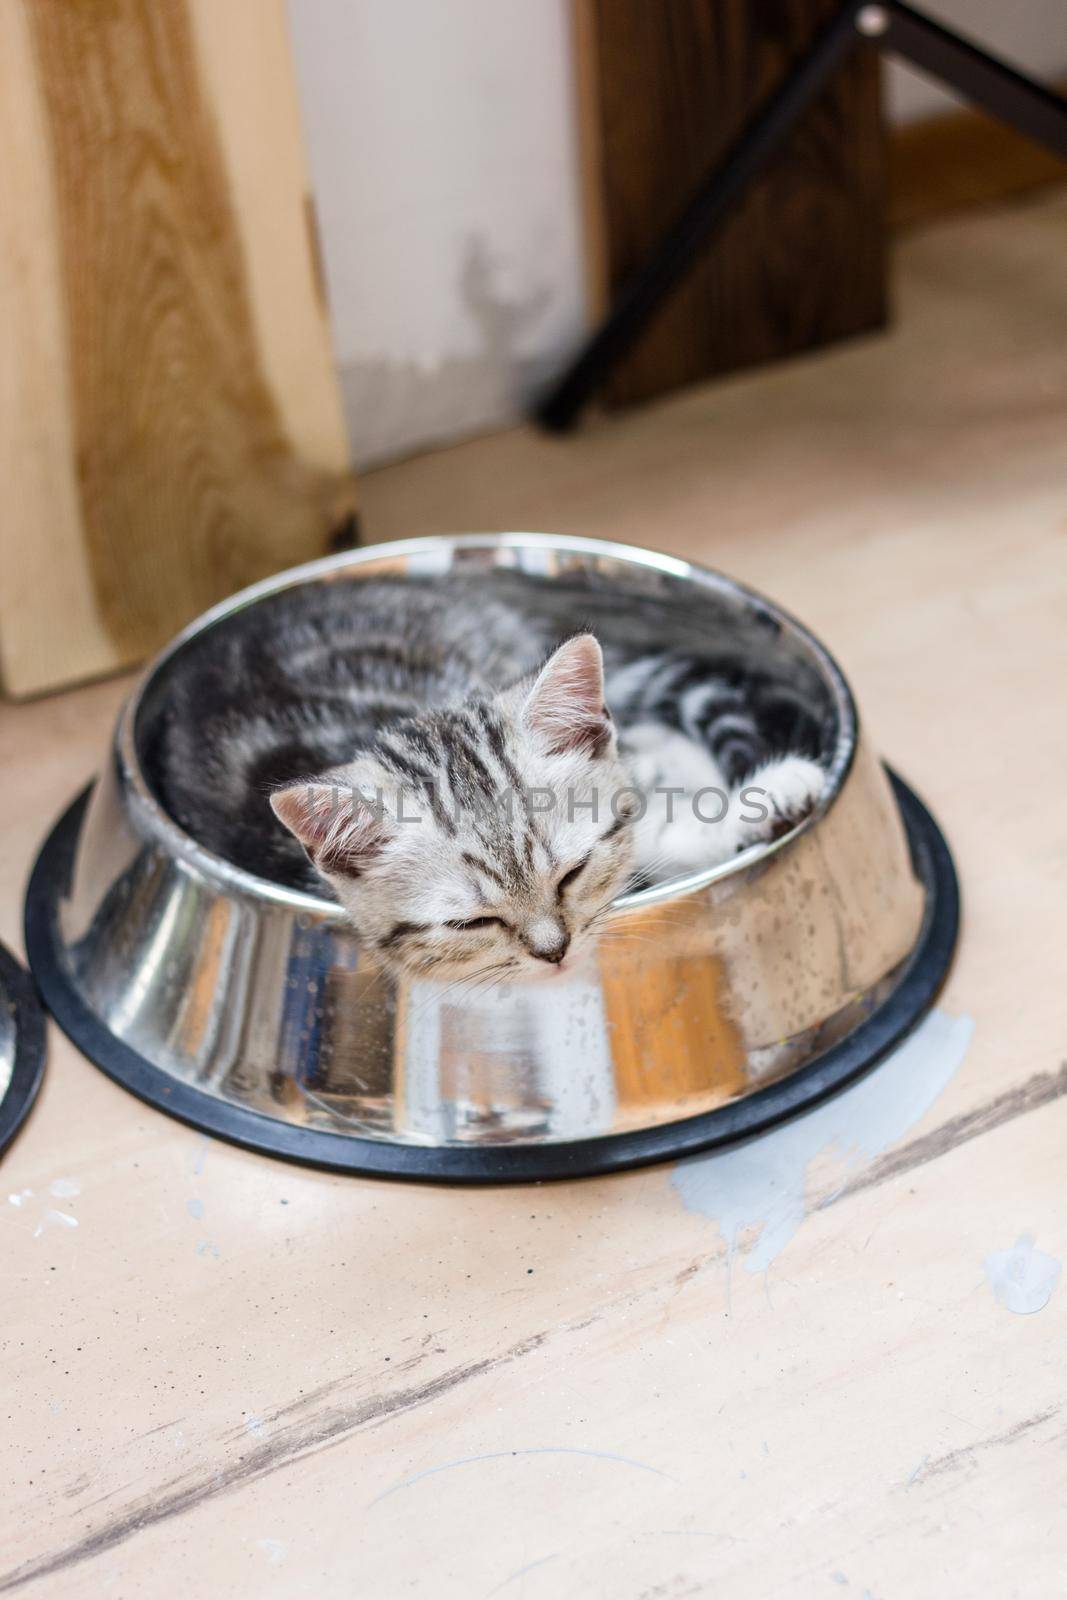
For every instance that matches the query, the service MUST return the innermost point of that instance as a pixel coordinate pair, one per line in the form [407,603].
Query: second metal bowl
[22,1046]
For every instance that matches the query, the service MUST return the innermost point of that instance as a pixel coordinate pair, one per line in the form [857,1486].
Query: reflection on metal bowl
[22,1046]
[714,1006]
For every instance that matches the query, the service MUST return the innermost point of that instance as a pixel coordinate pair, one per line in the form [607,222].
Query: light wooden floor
[234,1377]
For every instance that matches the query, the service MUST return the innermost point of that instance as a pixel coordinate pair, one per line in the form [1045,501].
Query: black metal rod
[978,76]
[679,249]
[1021,101]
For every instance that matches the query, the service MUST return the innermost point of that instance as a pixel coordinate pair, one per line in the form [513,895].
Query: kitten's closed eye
[569,877]
[478,922]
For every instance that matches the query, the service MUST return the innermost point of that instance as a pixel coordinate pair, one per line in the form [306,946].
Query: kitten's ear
[565,708]
[340,832]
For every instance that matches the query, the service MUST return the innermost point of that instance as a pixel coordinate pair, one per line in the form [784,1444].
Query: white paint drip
[195,1208]
[1022,1278]
[273,1549]
[763,1184]
[61,1219]
[65,1188]
[20,1198]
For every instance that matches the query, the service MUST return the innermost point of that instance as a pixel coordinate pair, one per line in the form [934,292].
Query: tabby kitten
[503,809]
[493,836]
[480,836]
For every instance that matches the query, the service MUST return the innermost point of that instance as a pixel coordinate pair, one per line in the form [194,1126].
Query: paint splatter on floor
[59,1219]
[762,1185]
[1022,1278]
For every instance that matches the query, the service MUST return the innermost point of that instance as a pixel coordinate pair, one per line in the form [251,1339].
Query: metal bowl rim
[27,1070]
[156,823]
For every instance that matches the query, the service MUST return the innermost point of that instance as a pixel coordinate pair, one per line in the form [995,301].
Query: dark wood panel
[666,86]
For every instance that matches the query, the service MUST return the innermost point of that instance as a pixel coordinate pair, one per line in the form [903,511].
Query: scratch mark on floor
[303,1437]
[1039,1090]
[521,1573]
[690,1533]
[507,1455]
[965,1455]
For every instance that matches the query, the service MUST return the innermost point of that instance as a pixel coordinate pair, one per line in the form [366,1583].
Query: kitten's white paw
[684,834]
[788,789]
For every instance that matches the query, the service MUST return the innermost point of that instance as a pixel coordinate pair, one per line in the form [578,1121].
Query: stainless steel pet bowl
[716,1005]
[22,1043]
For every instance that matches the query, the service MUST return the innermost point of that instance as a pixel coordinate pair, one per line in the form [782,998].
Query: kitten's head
[489,837]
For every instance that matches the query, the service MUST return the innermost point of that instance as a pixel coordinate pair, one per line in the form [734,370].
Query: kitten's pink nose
[548,940]
[556,955]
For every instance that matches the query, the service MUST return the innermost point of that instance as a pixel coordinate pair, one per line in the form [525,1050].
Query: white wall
[1031,34]
[443,151]
[442,147]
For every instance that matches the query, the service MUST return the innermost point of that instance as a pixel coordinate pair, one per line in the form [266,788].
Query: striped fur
[422,699]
